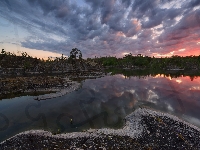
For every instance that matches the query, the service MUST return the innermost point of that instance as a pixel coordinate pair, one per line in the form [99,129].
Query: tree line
[29,64]
[75,61]
[145,62]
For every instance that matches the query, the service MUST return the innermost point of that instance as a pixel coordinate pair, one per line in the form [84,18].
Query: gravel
[144,129]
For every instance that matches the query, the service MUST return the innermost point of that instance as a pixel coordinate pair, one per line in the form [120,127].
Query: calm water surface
[102,102]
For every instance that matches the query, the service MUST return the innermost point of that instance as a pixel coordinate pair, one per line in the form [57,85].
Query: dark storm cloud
[94,4]
[186,26]
[183,35]
[144,6]
[161,15]
[127,3]
[47,6]
[146,34]
[194,3]
[105,27]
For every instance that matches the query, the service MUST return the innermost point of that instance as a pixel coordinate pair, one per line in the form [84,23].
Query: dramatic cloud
[107,27]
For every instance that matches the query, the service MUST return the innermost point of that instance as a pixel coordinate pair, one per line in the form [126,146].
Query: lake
[102,102]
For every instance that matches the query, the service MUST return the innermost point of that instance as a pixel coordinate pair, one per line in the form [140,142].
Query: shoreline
[50,92]
[59,91]
[50,86]
[143,126]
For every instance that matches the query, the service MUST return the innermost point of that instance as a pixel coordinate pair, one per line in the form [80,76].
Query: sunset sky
[46,28]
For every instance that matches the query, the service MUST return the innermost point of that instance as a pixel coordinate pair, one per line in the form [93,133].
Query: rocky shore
[30,84]
[68,88]
[46,87]
[52,86]
[144,129]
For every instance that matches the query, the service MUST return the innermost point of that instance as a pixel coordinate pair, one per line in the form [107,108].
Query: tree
[3,51]
[75,55]
[24,54]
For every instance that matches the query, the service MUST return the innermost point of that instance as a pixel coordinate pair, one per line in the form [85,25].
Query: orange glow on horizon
[162,76]
[181,52]
[31,52]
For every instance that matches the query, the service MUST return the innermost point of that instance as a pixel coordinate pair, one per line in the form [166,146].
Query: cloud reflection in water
[174,95]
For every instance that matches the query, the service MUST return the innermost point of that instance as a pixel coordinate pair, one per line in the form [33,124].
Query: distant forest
[129,61]
[26,63]
[144,62]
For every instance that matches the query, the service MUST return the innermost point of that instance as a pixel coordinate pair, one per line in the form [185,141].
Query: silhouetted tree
[3,51]
[75,55]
